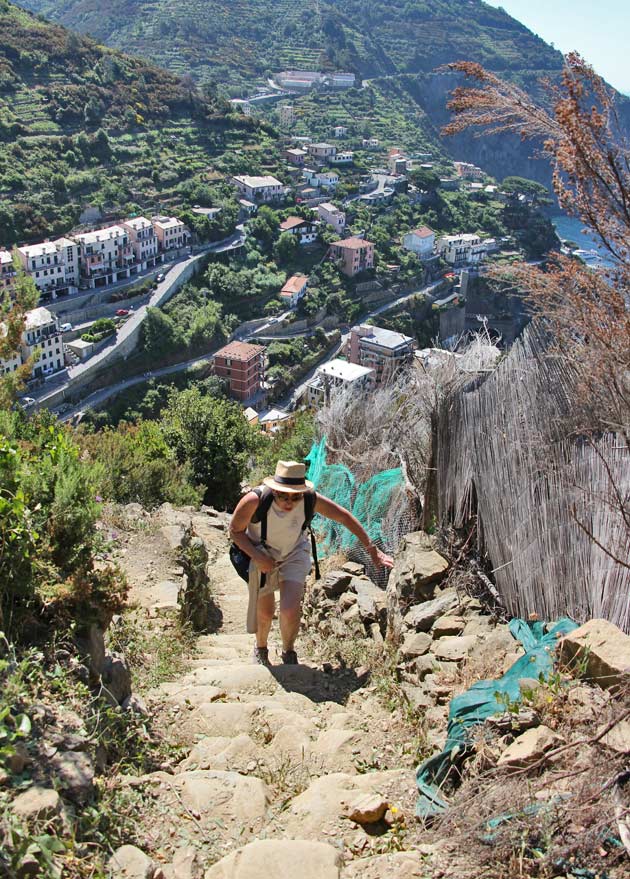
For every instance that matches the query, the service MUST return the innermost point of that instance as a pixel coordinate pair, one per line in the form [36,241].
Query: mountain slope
[84,125]
[240,41]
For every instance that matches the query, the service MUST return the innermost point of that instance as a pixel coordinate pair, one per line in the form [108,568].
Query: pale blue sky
[600,31]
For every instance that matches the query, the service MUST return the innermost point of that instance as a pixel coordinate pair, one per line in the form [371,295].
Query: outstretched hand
[381,559]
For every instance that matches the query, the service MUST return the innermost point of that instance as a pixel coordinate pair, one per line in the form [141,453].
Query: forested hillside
[82,124]
[241,41]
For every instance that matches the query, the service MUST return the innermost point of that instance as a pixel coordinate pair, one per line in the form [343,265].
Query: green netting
[378,503]
[480,702]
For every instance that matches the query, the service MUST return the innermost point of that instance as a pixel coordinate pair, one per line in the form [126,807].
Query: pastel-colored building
[320,179]
[286,114]
[356,255]
[322,151]
[296,156]
[459,250]
[331,215]
[105,256]
[383,351]
[420,241]
[243,367]
[304,231]
[7,269]
[274,420]
[53,265]
[342,157]
[468,171]
[340,131]
[337,374]
[171,233]
[260,189]
[144,241]
[294,289]
[41,332]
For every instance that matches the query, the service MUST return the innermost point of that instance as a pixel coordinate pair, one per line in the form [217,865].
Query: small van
[66,328]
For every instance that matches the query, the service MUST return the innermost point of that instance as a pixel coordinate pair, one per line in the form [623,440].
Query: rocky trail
[274,779]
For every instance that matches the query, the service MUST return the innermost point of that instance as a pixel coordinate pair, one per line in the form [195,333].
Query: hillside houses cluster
[96,258]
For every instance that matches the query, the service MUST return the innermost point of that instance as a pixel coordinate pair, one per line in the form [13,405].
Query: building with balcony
[342,157]
[420,241]
[144,241]
[171,233]
[296,156]
[260,189]
[105,256]
[286,115]
[461,250]
[41,333]
[322,151]
[355,254]
[331,215]
[243,366]
[53,265]
[304,231]
[337,374]
[7,269]
[382,351]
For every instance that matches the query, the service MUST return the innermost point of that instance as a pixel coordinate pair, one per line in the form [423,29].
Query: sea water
[592,252]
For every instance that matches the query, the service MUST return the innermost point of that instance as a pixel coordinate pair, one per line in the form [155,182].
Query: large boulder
[75,774]
[280,859]
[417,570]
[371,601]
[602,649]
[530,747]
[335,583]
[37,804]
[129,862]
[116,679]
[422,616]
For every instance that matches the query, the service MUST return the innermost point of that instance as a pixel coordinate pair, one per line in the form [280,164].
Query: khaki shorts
[294,568]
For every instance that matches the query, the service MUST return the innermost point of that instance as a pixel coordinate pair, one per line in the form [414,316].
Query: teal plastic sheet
[480,702]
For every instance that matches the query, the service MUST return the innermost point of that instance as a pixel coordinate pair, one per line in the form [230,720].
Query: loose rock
[454,648]
[422,616]
[37,803]
[129,862]
[367,809]
[280,859]
[603,648]
[530,747]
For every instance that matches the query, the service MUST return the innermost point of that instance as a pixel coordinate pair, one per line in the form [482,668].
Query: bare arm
[241,517]
[337,513]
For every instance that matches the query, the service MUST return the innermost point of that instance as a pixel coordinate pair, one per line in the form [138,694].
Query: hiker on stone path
[281,557]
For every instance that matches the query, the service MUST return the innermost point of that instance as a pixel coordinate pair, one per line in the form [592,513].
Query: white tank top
[284,530]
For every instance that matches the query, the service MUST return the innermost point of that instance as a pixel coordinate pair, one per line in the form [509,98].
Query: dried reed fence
[543,500]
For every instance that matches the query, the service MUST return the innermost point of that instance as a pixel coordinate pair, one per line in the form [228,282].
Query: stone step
[280,859]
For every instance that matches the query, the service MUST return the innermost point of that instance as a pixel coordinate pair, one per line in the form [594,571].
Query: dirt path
[275,758]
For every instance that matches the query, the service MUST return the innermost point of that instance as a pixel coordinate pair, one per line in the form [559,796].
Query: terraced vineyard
[240,42]
[85,126]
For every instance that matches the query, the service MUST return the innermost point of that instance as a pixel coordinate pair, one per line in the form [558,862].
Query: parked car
[160,277]
[122,312]
[66,328]
[26,401]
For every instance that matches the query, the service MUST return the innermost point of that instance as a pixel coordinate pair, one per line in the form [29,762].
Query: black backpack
[239,558]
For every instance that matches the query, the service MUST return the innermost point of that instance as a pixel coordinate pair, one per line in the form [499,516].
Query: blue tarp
[480,702]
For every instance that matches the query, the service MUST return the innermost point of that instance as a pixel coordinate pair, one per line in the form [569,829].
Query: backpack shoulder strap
[265,500]
[310,499]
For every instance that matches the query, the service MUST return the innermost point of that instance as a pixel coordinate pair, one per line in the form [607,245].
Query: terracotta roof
[240,351]
[352,243]
[293,285]
[423,232]
[292,223]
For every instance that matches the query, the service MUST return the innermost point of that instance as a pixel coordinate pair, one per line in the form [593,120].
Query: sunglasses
[284,496]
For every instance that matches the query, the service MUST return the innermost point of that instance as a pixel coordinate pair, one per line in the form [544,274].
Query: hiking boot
[289,657]
[261,656]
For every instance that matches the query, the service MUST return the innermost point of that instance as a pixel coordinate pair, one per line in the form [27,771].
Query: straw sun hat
[289,477]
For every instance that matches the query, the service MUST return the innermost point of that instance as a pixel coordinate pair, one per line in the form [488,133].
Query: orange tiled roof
[240,350]
[292,223]
[294,284]
[352,243]
[423,232]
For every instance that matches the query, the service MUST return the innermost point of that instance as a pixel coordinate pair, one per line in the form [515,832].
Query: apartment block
[144,241]
[382,351]
[7,270]
[243,366]
[294,289]
[171,233]
[105,256]
[53,265]
[260,189]
[337,374]
[302,230]
[356,255]
[331,215]
[41,333]
[459,250]
[322,151]
[420,241]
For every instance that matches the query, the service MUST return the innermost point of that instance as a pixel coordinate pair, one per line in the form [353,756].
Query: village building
[105,256]
[304,231]
[322,151]
[342,80]
[143,239]
[331,215]
[293,290]
[420,241]
[460,250]
[296,156]
[356,255]
[383,351]
[337,374]
[259,189]
[41,333]
[343,157]
[320,179]
[298,79]
[7,269]
[340,131]
[468,171]
[286,115]
[251,415]
[370,143]
[241,104]
[53,265]
[243,367]
[171,233]
[274,420]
